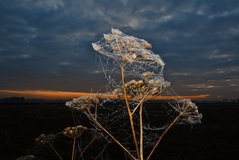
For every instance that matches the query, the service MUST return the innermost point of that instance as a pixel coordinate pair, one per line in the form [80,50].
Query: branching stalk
[140,102]
[129,112]
[87,146]
[160,138]
[73,149]
[55,151]
[141,131]
[109,134]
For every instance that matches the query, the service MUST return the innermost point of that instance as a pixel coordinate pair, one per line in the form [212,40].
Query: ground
[214,139]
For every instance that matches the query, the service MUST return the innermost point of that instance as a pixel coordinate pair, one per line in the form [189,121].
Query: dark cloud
[47,44]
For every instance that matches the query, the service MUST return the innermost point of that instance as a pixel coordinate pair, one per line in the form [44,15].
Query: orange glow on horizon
[69,95]
[41,94]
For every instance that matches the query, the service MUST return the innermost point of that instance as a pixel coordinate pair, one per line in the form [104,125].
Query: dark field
[216,138]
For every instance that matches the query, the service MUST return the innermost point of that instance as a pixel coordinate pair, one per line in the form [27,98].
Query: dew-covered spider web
[125,117]
[132,69]
[140,63]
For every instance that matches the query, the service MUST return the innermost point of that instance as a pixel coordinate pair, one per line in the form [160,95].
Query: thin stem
[129,112]
[73,149]
[88,145]
[96,110]
[102,151]
[141,131]
[109,134]
[55,151]
[160,138]
[141,101]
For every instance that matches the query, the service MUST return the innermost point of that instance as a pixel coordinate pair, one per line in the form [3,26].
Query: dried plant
[48,139]
[141,78]
[74,133]
[135,75]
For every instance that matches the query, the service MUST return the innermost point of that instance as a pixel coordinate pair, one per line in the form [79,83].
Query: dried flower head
[125,48]
[83,103]
[188,111]
[148,74]
[74,132]
[45,139]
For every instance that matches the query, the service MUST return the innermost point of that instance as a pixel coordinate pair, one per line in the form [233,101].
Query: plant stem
[160,138]
[87,145]
[129,112]
[73,149]
[141,101]
[141,131]
[55,151]
[109,134]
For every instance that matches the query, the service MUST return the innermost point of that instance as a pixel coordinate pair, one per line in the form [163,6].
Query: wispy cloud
[203,86]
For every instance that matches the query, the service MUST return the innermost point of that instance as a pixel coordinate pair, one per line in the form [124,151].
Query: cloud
[51,4]
[181,74]
[224,56]
[52,38]
[224,14]
[203,86]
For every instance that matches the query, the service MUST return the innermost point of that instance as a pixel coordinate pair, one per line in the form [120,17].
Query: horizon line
[42,94]
[55,94]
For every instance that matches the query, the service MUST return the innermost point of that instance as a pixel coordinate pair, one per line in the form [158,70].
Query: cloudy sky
[46,44]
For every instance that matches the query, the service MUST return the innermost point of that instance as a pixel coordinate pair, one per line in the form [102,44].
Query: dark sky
[46,44]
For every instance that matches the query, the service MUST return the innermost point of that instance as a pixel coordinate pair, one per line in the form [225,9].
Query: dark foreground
[215,139]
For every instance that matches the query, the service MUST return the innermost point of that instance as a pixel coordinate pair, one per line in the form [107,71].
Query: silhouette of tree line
[12,100]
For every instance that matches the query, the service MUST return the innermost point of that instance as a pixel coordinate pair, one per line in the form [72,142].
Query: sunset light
[68,95]
[40,94]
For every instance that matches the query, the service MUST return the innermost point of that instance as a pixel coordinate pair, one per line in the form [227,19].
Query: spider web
[143,77]
[132,69]
[142,68]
